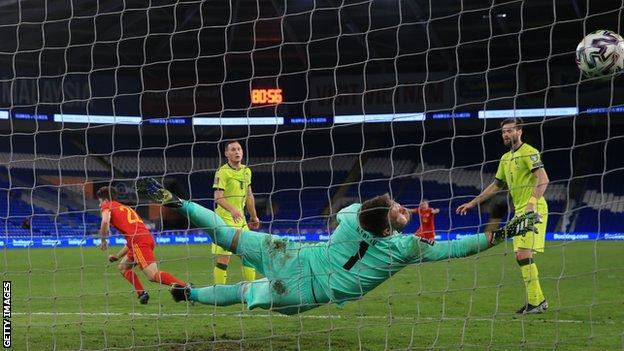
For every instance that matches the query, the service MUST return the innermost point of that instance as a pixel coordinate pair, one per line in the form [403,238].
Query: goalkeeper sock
[133,279]
[220,273]
[219,295]
[249,274]
[204,218]
[530,275]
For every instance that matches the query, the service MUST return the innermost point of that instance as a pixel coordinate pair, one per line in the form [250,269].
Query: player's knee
[523,254]
[152,275]
[123,268]
[223,260]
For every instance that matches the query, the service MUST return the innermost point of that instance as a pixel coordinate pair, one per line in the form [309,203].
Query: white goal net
[333,103]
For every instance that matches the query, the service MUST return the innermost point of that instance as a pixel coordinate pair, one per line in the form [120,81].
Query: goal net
[332,103]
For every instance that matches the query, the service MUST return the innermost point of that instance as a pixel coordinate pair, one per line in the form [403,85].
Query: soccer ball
[600,54]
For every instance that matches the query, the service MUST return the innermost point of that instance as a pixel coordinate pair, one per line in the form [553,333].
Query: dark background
[166,59]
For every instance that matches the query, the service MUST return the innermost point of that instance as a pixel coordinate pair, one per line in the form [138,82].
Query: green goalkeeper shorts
[288,286]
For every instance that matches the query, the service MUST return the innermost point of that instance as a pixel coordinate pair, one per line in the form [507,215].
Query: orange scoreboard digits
[266,96]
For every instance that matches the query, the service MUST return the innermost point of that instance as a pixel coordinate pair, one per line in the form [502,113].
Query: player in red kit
[427,220]
[139,249]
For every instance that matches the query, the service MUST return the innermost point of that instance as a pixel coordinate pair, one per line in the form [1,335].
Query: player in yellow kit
[522,172]
[232,193]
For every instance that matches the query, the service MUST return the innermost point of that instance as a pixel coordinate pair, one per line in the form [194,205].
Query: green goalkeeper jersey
[300,276]
[516,170]
[355,261]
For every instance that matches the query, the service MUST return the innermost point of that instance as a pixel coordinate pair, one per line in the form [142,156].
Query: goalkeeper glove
[517,226]
[151,188]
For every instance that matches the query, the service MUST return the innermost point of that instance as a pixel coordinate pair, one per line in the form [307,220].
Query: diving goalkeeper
[365,250]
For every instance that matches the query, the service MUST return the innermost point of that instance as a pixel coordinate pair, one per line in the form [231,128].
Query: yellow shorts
[218,250]
[533,241]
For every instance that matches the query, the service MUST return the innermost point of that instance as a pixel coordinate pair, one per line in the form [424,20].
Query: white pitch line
[276,315]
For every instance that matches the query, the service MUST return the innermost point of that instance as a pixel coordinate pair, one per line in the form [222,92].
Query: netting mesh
[397,97]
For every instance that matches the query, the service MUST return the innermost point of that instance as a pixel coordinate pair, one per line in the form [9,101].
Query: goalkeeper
[365,250]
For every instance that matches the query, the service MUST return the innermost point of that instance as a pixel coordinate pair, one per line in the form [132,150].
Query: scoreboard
[266,96]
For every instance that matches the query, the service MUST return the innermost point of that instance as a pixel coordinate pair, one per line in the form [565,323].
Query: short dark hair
[107,193]
[515,120]
[373,216]
[230,142]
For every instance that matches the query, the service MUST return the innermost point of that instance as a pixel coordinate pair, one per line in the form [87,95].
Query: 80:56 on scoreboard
[266,96]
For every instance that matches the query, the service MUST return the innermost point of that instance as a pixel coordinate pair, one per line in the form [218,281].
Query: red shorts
[142,254]
[426,234]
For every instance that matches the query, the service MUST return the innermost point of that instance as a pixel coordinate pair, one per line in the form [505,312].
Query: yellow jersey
[234,183]
[516,170]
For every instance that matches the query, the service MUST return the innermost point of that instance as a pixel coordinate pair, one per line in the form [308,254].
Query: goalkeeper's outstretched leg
[202,217]
[246,243]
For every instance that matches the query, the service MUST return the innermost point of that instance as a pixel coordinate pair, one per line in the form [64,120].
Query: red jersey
[128,222]
[427,223]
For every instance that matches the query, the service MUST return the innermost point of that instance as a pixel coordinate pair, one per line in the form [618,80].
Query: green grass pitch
[72,298]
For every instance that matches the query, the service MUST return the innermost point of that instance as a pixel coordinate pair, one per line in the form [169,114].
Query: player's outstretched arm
[488,192]
[480,242]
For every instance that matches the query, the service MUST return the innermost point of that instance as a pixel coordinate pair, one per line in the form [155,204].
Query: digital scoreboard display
[266,96]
